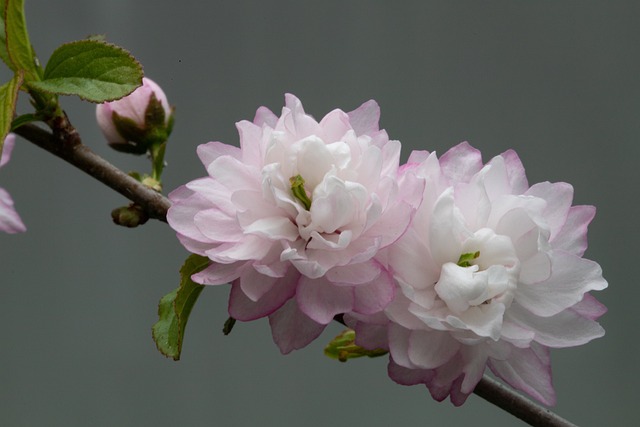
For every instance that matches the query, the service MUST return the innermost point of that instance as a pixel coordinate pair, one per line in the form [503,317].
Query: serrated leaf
[8,100]
[174,309]
[19,53]
[91,69]
[4,55]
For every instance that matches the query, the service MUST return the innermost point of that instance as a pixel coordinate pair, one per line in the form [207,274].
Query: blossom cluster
[450,264]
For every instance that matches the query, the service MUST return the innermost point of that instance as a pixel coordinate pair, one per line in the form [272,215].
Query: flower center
[480,276]
[299,192]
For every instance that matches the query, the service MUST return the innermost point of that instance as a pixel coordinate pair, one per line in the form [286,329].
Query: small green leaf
[23,120]
[19,52]
[343,347]
[8,100]
[91,69]
[174,309]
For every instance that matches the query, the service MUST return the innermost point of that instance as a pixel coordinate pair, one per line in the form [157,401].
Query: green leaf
[8,100]
[4,54]
[91,69]
[23,120]
[343,347]
[19,54]
[174,309]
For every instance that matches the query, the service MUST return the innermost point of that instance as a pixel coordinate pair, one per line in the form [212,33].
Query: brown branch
[66,144]
[519,406]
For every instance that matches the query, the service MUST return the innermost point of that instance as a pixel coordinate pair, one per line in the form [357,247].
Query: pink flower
[295,217]
[139,119]
[491,274]
[10,221]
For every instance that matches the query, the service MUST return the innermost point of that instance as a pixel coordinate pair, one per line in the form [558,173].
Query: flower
[132,124]
[10,221]
[491,274]
[295,217]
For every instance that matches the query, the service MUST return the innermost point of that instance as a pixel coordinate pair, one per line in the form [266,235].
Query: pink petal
[589,307]
[321,300]
[516,172]
[365,118]
[251,247]
[371,330]
[374,296]
[406,376]
[241,307]
[573,235]
[210,151]
[571,278]
[292,329]
[461,162]
[429,350]
[558,196]
[217,226]
[219,274]
[251,143]
[7,148]
[568,328]
[264,116]
[255,285]
[529,370]
[354,274]
[399,345]
[10,221]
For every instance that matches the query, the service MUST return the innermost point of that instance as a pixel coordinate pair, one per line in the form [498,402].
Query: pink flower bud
[137,118]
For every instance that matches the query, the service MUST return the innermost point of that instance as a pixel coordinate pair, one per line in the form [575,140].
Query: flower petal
[292,329]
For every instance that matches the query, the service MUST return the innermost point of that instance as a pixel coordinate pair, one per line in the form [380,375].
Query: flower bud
[129,216]
[139,120]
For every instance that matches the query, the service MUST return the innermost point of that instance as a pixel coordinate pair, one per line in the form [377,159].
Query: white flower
[491,274]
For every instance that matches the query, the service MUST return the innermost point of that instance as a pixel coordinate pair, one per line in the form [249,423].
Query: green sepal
[8,100]
[465,259]
[24,119]
[157,156]
[131,132]
[343,347]
[93,70]
[228,325]
[174,309]
[17,51]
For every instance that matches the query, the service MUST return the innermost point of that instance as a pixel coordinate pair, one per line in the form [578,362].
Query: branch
[66,144]
[507,399]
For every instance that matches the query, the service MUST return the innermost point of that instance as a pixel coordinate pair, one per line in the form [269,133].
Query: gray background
[555,80]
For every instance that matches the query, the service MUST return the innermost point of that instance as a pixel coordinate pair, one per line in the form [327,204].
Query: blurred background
[556,81]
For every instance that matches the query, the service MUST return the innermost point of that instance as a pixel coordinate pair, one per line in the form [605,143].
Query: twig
[79,155]
[533,414]
[67,146]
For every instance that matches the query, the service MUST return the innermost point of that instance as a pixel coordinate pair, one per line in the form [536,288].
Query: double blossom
[450,264]
[295,217]
[491,274]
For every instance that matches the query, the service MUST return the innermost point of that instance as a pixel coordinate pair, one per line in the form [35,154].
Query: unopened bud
[129,216]
[137,121]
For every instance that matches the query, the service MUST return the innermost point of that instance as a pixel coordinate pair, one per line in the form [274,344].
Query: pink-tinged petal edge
[292,329]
